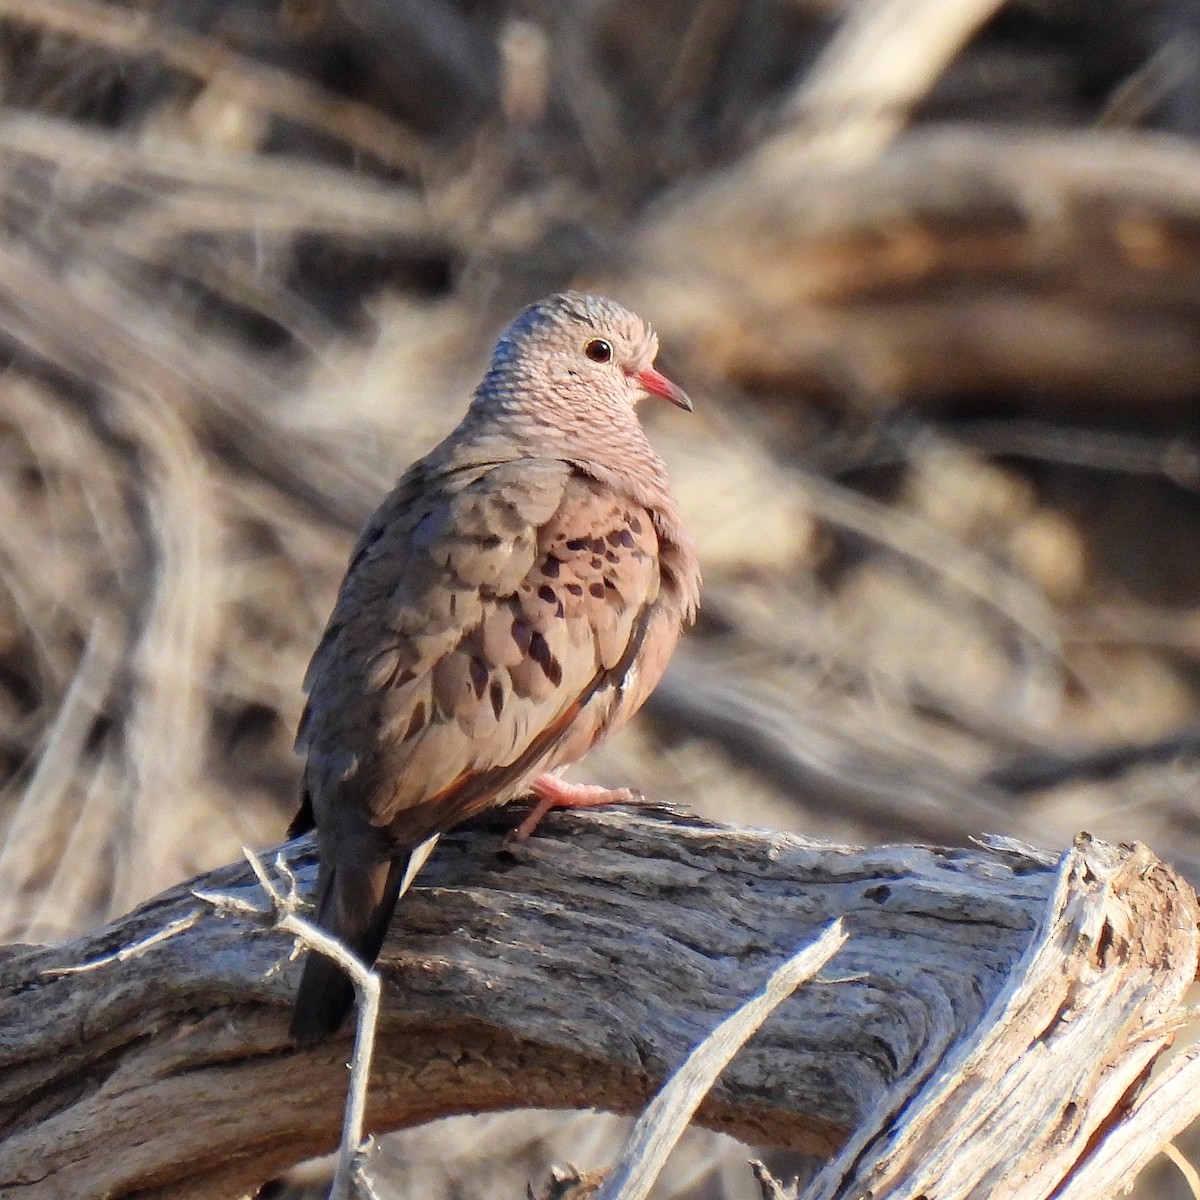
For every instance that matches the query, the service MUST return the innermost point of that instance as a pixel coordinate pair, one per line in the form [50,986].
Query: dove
[513,601]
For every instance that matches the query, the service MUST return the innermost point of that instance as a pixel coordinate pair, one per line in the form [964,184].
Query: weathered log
[991,1013]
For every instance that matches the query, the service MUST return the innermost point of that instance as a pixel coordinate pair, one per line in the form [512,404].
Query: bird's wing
[487,625]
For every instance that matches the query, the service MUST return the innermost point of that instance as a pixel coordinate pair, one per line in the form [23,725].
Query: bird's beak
[657,384]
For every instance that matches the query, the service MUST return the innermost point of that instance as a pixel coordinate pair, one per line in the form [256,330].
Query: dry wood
[991,1013]
[886,55]
[659,1128]
[952,263]
[134,34]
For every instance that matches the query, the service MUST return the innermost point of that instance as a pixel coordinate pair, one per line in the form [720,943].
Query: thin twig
[662,1124]
[283,915]
[134,949]
[1190,1175]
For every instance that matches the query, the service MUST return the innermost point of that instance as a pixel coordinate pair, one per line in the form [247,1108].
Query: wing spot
[479,676]
[620,537]
[550,567]
[522,632]
[575,589]
[496,696]
[597,590]
[597,563]
[416,722]
[539,651]
[546,592]
[611,556]
[578,544]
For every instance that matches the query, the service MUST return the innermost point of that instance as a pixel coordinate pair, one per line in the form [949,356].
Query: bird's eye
[598,350]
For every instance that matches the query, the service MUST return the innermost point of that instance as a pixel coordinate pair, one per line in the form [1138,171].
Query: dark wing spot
[608,583]
[550,567]
[416,722]
[597,563]
[479,677]
[539,651]
[597,590]
[578,544]
[546,592]
[575,589]
[611,556]
[496,696]
[522,631]
[620,537]
[633,523]
[597,545]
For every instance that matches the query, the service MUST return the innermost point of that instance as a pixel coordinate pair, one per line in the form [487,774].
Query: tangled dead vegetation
[931,269]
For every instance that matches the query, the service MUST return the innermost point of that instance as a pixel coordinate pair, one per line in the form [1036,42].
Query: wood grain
[986,989]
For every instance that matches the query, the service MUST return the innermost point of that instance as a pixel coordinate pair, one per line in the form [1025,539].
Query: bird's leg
[552,792]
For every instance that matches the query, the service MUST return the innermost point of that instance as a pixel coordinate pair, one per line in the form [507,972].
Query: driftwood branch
[986,1028]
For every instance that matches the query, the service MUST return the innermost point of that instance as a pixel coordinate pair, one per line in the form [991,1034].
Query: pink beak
[658,384]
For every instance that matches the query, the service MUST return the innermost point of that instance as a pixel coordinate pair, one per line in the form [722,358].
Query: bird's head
[584,356]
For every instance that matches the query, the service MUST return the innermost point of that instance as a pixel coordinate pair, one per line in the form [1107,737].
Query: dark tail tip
[323,1001]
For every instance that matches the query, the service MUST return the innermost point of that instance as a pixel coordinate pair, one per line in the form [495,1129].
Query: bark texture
[992,1012]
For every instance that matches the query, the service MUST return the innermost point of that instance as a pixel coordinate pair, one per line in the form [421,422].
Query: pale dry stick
[1161,76]
[1171,457]
[40,614]
[77,893]
[349,1173]
[254,83]
[1190,1175]
[698,54]
[282,915]
[271,191]
[885,56]
[320,198]
[1167,1106]
[43,799]
[134,949]
[668,1115]
[772,1188]
[180,633]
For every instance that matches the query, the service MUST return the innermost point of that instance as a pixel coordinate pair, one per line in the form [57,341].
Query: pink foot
[552,792]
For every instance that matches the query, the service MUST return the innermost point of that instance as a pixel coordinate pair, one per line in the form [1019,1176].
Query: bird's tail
[356,906]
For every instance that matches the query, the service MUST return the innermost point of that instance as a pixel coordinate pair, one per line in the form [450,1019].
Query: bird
[513,601]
